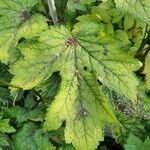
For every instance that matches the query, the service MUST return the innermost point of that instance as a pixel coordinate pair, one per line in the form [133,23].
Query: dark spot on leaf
[82,113]
[25,16]
[105,51]
[21,40]
[71,41]
[99,82]
[85,68]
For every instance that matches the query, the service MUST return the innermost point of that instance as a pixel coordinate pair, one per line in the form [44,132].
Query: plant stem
[52,9]
[143,57]
[143,43]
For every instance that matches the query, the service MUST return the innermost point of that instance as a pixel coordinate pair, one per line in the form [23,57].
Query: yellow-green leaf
[82,61]
[140,9]
[147,70]
[16,22]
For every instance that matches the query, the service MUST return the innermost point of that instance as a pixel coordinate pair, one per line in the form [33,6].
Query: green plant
[71,81]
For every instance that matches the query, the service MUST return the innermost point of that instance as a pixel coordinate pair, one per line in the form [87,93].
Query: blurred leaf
[67,147]
[17,112]
[5,127]
[50,87]
[73,5]
[24,139]
[134,143]
[42,140]
[3,140]
[37,114]
[139,9]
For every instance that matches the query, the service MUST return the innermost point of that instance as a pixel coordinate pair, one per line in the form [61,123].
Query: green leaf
[147,70]
[16,22]
[66,147]
[42,140]
[49,88]
[139,9]
[128,22]
[30,137]
[16,112]
[105,12]
[21,114]
[57,135]
[101,12]
[4,96]
[3,140]
[4,73]
[24,139]
[73,5]
[145,100]
[5,127]
[37,114]
[5,78]
[81,60]
[30,101]
[134,143]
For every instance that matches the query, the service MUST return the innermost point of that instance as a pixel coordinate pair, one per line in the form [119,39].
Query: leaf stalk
[52,9]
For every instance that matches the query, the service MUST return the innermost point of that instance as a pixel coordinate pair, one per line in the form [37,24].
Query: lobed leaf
[134,143]
[16,21]
[140,9]
[24,139]
[42,140]
[81,61]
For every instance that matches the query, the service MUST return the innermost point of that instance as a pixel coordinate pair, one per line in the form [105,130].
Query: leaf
[134,143]
[147,70]
[93,52]
[24,139]
[3,140]
[50,87]
[81,60]
[30,137]
[73,5]
[66,147]
[5,78]
[4,96]
[4,73]
[5,127]
[30,101]
[139,9]
[16,22]
[105,12]
[144,99]
[98,14]
[57,135]
[42,140]
[16,112]
[101,12]
[128,22]
[21,114]
[37,114]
